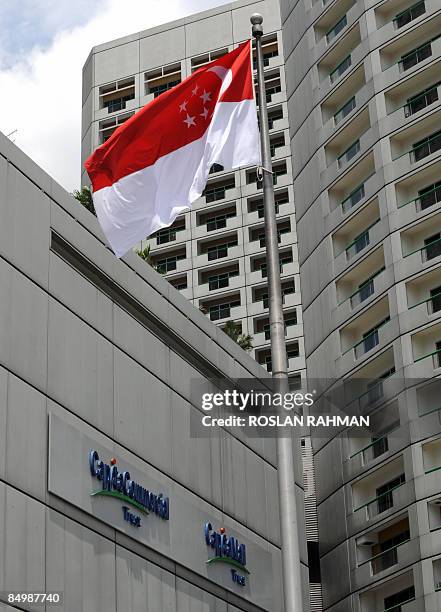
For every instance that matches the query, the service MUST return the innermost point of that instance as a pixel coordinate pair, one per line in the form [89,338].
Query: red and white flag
[156,164]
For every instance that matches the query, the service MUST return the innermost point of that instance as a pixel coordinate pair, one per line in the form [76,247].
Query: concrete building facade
[215,253]
[363,91]
[104,494]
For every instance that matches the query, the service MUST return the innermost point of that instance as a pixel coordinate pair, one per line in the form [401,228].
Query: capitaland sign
[227,550]
[119,485]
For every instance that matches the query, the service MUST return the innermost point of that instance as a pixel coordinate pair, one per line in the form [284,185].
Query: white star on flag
[189,120]
[205,97]
[195,90]
[204,114]
[183,106]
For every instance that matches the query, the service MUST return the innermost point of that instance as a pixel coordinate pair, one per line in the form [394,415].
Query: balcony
[343,196]
[418,195]
[338,60]
[379,494]
[382,549]
[359,232]
[432,456]
[220,190]
[421,246]
[395,595]
[213,279]
[426,351]
[262,333]
[423,299]
[410,61]
[223,309]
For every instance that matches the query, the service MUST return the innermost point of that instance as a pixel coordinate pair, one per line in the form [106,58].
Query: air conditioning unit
[370,539]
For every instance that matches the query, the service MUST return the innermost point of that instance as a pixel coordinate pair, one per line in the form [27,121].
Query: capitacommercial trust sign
[119,484]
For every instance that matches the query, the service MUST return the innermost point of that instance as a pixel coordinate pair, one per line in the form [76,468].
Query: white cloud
[41,93]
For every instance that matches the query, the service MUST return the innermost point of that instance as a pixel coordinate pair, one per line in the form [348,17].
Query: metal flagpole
[292,583]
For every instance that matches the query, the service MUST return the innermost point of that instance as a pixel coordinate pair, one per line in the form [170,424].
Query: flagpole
[292,581]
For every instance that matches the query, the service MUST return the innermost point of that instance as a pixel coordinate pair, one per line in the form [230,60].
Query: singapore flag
[156,164]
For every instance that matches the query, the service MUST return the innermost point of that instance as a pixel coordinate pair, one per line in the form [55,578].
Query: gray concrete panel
[23,326]
[217,32]
[162,48]
[26,439]
[80,368]
[142,412]
[24,230]
[117,62]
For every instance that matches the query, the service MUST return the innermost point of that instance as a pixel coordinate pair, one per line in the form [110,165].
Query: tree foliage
[234,331]
[84,197]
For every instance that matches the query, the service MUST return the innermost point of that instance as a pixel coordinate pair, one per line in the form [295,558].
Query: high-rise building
[363,88]
[215,253]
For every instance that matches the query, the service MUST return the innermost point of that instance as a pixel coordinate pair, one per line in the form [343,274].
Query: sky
[43,47]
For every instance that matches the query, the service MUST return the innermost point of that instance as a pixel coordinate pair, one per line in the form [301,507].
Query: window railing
[436,358]
[363,293]
[349,154]
[386,559]
[353,198]
[433,303]
[344,110]
[368,342]
[360,242]
[340,69]
[428,251]
[426,198]
[336,29]
[409,14]
[415,56]
[381,503]
[397,607]
[425,147]
[422,100]
[373,450]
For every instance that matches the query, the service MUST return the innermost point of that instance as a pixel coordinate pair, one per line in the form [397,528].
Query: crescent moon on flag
[225,75]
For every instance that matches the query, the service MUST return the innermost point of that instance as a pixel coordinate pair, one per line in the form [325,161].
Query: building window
[213,193]
[344,111]
[340,69]
[415,56]
[360,243]
[353,198]
[179,283]
[409,14]
[220,250]
[429,196]
[167,264]
[115,96]
[350,152]
[336,29]
[432,247]
[426,146]
[220,281]
[221,311]
[162,79]
[219,221]
[203,60]
[384,493]
[435,301]
[393,602]
[438,354]
[168,234]
[108,126]
[269,50]
[422,100]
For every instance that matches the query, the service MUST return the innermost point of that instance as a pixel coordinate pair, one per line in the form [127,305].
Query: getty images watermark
[249,406]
